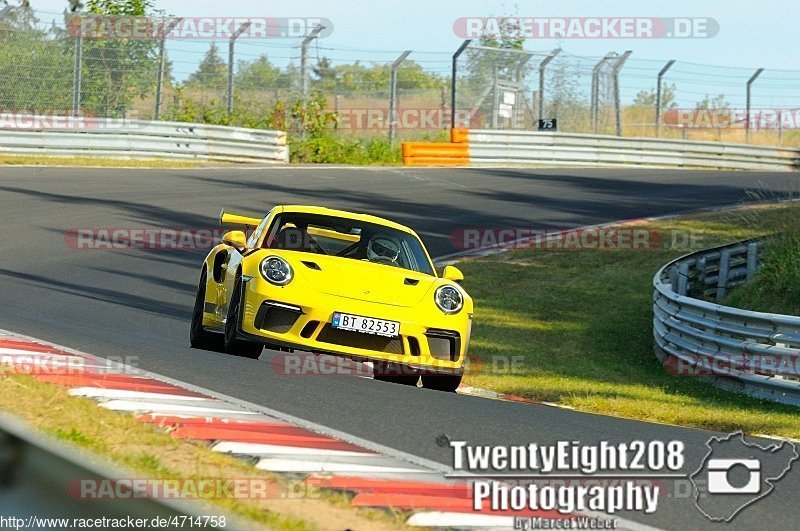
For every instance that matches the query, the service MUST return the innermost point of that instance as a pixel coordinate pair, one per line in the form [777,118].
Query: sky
[751,34]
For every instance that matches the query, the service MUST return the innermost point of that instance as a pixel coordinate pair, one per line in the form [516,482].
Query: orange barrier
[454,153]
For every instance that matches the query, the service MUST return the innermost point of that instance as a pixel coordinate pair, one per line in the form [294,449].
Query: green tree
[35,64]
[20,15]
[376,77]
[647,98]
[326,74]
[500,58]
[717,103]
[562,92]
[259,74]
[714,112]
[117,70]
[211,73]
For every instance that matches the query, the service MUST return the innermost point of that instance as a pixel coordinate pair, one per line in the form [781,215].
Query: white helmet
[383,248]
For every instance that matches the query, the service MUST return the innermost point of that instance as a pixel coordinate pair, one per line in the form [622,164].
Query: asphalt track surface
[137,304]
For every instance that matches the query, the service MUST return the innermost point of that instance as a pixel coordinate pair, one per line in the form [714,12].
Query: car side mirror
[235,238]
[453,273]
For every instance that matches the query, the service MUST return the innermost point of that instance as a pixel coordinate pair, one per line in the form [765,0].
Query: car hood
[362,280]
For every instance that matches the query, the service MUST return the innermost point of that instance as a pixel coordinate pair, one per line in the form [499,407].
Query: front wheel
[234,345]
[199,337]
[441,382]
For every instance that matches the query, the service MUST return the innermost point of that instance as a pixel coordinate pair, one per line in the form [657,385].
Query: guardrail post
[747,117]
[617,104]
[454,74]
[304,59]
[724,269]
[393,95]
[683,278]
[542,66]
[673,279]
[752,259]
[658,92]
[701,272]
[241,29]
[77,71]
[162,65]
[596,87]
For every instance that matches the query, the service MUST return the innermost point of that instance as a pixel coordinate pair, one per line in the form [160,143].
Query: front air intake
[276,317]
[443,344]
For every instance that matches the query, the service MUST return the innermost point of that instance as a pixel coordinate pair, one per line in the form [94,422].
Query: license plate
[366,325]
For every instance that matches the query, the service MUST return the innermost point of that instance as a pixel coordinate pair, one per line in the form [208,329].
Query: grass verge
[30,160]
[575,328]
[150,452]
[776,286]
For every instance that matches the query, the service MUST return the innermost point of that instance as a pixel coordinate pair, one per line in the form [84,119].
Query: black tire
[397,373]
[199,337]
[441,382]
[234,345]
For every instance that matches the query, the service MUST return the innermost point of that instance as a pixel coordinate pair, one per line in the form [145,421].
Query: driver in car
[383,249]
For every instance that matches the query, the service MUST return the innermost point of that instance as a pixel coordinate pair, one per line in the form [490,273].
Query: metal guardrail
[131,139]
[37,483]
[751,352]
[489,147]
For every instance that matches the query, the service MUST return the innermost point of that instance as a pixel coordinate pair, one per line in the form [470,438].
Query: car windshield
[347,238]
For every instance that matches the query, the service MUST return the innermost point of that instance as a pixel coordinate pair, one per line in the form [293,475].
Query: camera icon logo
[718,476]
[736,473]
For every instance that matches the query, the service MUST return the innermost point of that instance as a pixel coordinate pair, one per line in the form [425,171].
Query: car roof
[324,211]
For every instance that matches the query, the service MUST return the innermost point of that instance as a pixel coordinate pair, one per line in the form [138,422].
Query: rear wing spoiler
[238,220]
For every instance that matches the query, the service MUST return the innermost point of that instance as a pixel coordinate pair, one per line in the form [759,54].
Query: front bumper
[277,316]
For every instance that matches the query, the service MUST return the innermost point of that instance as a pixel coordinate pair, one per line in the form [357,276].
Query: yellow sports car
[334,282]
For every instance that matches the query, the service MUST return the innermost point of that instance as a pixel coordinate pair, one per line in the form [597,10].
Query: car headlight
[448,299]
[276,270]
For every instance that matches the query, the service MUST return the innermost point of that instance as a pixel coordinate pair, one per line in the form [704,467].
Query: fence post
[747,117]
[77,71]
[495,99]
[231,42]
[304,59]
[454,74]
[617,67]
[658,93]
[162,65]
[393,95]
[596,87]
[542,66]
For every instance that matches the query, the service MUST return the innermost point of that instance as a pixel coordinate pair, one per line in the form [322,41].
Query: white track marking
[260,449]
[159,407]
[308,466]
[98,392]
